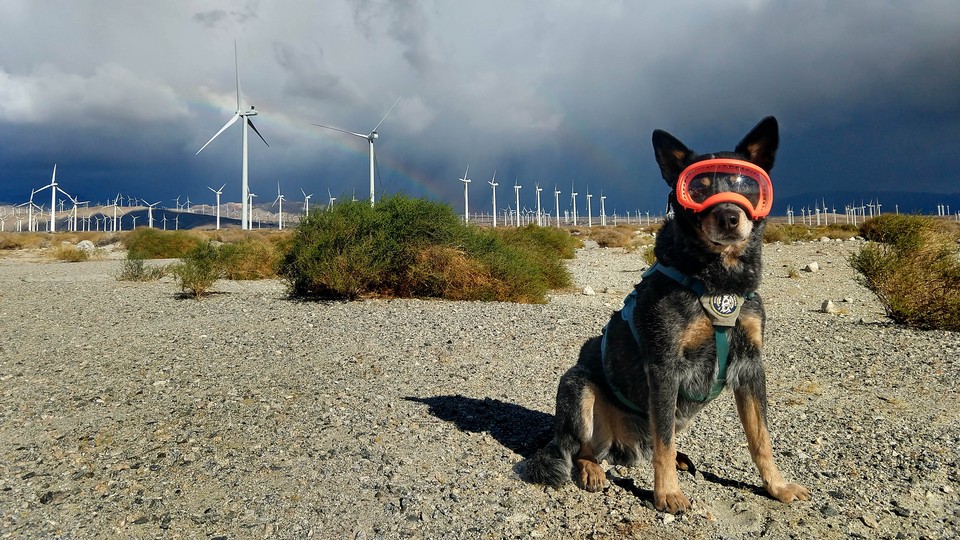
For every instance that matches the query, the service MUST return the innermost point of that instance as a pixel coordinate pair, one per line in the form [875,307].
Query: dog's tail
[550,466]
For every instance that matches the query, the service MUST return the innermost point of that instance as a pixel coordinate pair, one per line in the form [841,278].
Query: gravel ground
[127,411]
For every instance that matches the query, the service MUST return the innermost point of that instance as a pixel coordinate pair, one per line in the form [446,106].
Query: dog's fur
[721,247]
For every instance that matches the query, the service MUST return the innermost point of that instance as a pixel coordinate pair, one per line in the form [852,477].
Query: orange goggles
[715,181]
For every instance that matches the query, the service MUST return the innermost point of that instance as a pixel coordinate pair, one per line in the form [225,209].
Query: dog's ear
[672,155]
[760,145]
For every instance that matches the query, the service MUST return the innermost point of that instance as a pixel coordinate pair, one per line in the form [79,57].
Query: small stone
[829,511]
[848,300]
[825,239]
[870,521]
[829,307]
[86,246]
[812,267]
[588,291]
[668,519]
[946,489]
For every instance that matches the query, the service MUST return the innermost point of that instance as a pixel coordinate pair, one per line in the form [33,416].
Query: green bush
[405,247]
[912,265]
[199,269]
[147,243]
[137,270]
[69,253]
[250,258]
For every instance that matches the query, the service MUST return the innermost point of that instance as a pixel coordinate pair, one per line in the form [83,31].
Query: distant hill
[906,202]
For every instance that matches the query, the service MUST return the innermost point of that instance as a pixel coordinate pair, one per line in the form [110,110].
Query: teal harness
[723,310]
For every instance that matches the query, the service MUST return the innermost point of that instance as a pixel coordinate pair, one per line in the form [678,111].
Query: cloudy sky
[122,94]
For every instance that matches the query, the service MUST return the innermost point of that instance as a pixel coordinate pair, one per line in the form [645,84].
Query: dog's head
[727,225]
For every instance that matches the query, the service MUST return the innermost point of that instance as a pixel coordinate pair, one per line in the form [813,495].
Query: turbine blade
[249,121]
[225,126]
[361,135]
[236,61]
[223,186]
[385,114]
[53,179]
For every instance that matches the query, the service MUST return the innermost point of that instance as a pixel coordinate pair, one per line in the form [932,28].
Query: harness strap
[721,332]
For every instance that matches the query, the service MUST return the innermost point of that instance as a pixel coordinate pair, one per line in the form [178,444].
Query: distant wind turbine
[370,137]
[53,198]
[493,185]
[539,215]
[245,115]
[556,203]
[589,208]
[150,213]
[466,196]
[330,199]
[516,191]
[306,201]
[280,198]
[218,192]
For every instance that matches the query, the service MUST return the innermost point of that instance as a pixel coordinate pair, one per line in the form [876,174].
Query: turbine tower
[245,115]
[218,192]
[493,185]
[539,216]
[370,137]
[306,201]
[556,203]
[53,199]
[280,198]
[516,190]
[466,196]
[150,212]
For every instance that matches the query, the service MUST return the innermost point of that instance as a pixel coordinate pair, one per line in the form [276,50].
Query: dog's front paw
[591,475]
[787,493]
[674,502]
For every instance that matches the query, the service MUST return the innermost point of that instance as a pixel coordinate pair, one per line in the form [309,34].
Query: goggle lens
[714,181]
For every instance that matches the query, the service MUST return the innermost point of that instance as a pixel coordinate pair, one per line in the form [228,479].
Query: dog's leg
[590,474]
[667,496]
[752,410]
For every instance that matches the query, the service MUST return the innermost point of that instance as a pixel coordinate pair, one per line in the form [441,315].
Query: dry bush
[70,253]
[250,258]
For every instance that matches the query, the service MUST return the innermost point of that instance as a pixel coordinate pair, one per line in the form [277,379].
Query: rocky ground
[128,411]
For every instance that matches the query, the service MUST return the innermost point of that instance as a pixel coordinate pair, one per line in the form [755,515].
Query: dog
[692,326]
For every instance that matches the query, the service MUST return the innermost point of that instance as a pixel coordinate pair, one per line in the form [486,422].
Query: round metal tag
[724,304]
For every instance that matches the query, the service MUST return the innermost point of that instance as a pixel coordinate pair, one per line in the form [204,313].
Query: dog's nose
[727,218]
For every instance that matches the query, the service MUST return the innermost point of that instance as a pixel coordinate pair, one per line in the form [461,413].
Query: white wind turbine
[573,198]
[306,201]
[556,203]
[280,198]
[150,212]
[493,185]
[516,191]
[370,137]
[218,192]
[539,215]
[245,115]
[603,209]
[330,199]
[53,198]
[466,196]
[589,208]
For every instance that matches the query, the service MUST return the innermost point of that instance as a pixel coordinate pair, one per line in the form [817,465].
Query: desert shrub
[405,247]
[199,269]
[912,265]
[250,258]
[24,240]
[70,253]
[137,270]
[147,243]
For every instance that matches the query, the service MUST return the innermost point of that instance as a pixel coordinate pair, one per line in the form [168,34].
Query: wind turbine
[245,114]
[280,198]
[218,192]
[573,198]
[53,198]
[370,137]
[493,185]
[556,203]
[516,191]
[539,216]
[603,210]
[466,196]
[306,201]
[150,212]
[330,199]
[589,208]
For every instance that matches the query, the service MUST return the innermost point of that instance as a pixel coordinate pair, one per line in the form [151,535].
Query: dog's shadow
[520,429]
[524,431]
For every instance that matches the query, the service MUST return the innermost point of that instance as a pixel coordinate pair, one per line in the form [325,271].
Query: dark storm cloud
[548,93]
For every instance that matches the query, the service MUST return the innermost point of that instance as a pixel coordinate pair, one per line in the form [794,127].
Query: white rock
[668,519]
[812,267]
[829,307]
[825,239]
[588,291]
[86,245]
